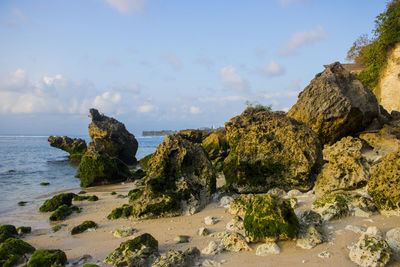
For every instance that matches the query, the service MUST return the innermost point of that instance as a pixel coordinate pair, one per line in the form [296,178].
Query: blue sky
[157,64]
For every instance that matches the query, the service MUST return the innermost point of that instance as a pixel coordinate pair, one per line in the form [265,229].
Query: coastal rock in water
[267,249]
[178,258]
[7,231]
[110,136]
[270,218]
[269,149]
[217,148]
[370,251]
[140,252]
[384,184]
[12,252]
[346,167]
[76,147]
[335,104]
[48,257]
[180,180]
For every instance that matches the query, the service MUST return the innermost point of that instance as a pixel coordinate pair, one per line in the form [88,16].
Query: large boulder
[346,167]
[76,147]
[12,252]
[216,147]
[335,104]
[269,149]
[384,183]
[110,136]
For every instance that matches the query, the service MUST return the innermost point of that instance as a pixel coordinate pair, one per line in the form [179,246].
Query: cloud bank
[300,39]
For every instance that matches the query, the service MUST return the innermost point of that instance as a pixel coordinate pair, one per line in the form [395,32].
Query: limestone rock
[235,225]
[239,204]
[217,148]
[76,147]
[294,193]
[125,232]
[268,249]
[225,201]
[194,136]
[309,236]
[393,239]
[212,248]
[209,220]
[270,218]
[346,167]
[384,184]
[174,258]
[374,231]
[202,231]
[335,104]
[325,255]
[370,251]
[269,149]
[234,242]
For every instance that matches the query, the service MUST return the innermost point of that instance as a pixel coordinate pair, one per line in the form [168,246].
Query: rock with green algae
[53,203]
[90,265]
[61,213]
[269,218]
[384,184]
[88,198]
[175,258]
[83,227]
[24,230]
[239,204]
[269,149]
[76,147]
[12,252]
[140,251]
[7,231]
[217,147]
[47,258]
[58,227]
[370,251]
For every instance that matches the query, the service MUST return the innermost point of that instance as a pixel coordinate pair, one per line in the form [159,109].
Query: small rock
[370,251]
[235,225]
[294,193]
[223,261]
[393,239]
[277,192]
[374,231]
[210,220]
[304,261]
[362,213]
[211,263]
[182,239]
[82,260]
[203,231]
[268,249]
[212,249]
[234,242]
[325,254]
[120,233]
[308,237]
[225,201]
[355,229]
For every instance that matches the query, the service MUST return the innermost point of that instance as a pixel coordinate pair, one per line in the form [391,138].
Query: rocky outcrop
[111,149]
[194,136]
[269,149]
[217,148]
[335,104]
[346,167]
[76,147]
[370,251]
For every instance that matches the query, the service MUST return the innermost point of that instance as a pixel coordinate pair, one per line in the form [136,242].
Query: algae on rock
[76,147]
[217,148]
[47,257]
[7,231]
[56,201]
[12,252]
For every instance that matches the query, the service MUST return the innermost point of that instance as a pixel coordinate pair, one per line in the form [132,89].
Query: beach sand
[101,242]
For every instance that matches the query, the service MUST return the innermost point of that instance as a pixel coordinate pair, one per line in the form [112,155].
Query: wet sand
[101,242]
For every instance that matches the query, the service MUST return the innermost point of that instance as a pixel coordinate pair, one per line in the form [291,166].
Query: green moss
[61,213]
[101,170]
[269,217]
[58,227]
[88,198]
[44,183]
[135,194]
[47,258]
[124,211]
[7,231]
[56,201]
[113,193]
[22,203]
[76,157]
[81,192]
[90,265]
[83,227]
[12,249]
[24,230]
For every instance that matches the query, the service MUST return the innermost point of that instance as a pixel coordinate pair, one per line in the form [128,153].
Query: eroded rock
[370,251]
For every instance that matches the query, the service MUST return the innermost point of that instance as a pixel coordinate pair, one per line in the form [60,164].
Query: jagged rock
[194,136]
[310,217]
[239,204]
[180,180]
[268,249]
[217,148]
[209,220]
[384,184]
[125,232]
[270,218]
[393,239]
[12,252]
[235,225]
[225,201]
[370,251]
[234,242]
[310,233]
[202,231]
[140,251]
[212,248]
[7,231]
[269,149]
[175,258]
[335,104]
[346,167]
[47,257]
[76,147]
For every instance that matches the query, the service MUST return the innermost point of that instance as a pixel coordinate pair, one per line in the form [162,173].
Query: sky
[158,64]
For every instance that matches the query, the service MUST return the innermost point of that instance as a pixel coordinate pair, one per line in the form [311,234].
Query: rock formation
[76,147]
[216,147]
[335,104]
[269,149]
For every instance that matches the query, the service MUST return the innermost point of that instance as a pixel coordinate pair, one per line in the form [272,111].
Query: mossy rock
[138,174]
[269,218]
[144,162]
[332,206]
[76,158]
[24,230]
[239,204]
[58,227]
[88,198]
[370,251]
[131,246]
[384,184]
[61,213]
[47,258]
[124,211]
[56,201]
[113,193]
[7,231]
[83,227]
[101,169]
[22,203]
[217,147]
[44,183]
[13,250]
[135,194]
[90,265]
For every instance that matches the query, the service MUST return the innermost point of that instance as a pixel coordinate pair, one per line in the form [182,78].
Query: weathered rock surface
[310,232]
[269,218]
[174,258]
[239,204]
[335,104]
[235,225]
[194,136]
[212,248]
[393,239]
[269,149]
[384,184]
[12,252]
[217,148]
[76,147]
[267,249]
[234,242]
[346,167]
[370,251]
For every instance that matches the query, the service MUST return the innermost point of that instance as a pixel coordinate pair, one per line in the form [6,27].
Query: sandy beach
[99,243]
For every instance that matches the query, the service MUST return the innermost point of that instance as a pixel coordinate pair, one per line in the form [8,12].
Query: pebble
[202,231]
[325,254]
[209,220]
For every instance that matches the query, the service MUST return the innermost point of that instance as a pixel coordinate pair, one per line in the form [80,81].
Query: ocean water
[26,161]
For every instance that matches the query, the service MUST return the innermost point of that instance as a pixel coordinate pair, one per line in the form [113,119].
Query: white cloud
[231,78]
[15,81]
[286,3]
[272,69]
[127,6]
[146,108]
[303,38]
[107,101]
[173,61]
[195,110]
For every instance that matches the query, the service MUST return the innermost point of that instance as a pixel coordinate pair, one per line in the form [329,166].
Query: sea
[27,161]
